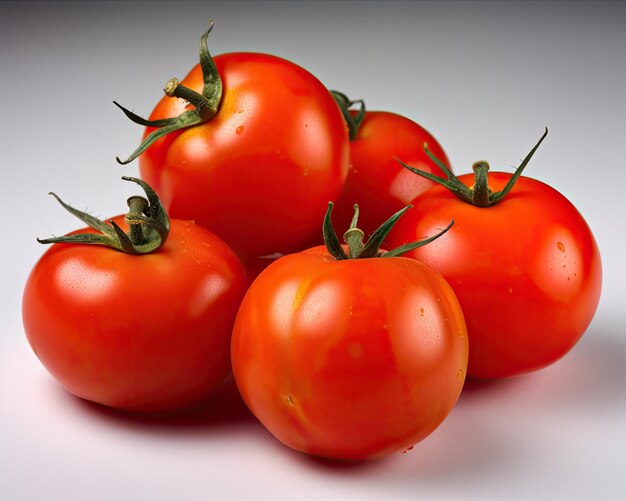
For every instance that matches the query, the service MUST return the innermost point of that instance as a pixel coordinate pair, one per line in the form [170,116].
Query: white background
[485,78]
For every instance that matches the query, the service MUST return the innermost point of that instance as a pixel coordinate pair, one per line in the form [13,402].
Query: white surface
[485,78]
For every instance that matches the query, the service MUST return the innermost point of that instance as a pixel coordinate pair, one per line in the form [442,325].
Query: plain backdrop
[484,77]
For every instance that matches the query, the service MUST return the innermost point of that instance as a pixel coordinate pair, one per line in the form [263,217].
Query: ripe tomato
[526,270]
[277,142]
[376,181]
[142,333]
[349,358]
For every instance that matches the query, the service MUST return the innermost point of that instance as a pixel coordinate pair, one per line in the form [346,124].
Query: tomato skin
[277,142]
[353,359]
[376,181]
[526,271]
[140,333]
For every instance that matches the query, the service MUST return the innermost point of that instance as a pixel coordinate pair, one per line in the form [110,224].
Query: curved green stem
[206,104]
[353,236]
[148,223]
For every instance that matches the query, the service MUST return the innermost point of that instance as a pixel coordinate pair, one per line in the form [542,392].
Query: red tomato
[376,181]
[526,271]
[142,333]
[260,172]
[352,359]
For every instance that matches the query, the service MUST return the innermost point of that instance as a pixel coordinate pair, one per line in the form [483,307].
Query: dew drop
[239,129]
[459,374]
[560,246]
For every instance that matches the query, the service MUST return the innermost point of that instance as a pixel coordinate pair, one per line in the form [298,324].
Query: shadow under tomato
[592,373]
[222,408]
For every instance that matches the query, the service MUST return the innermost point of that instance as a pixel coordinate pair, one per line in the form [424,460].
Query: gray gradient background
[485,78]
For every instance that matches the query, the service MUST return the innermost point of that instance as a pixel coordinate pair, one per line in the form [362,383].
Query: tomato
[349,358]
[376,181]
[137,332]
[261,170]
[526,270]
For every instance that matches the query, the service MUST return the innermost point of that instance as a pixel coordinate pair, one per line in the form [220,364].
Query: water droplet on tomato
[459,374]
[239,129]
[560,246]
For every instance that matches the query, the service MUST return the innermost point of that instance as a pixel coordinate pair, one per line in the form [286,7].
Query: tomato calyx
[353,121]
[353,237]
[148,223]
[206,104]
[479,193]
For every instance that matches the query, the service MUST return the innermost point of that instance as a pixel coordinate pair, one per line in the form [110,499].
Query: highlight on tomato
[348,351]
[240,138]
[521,259]
[376,181]
[139,315]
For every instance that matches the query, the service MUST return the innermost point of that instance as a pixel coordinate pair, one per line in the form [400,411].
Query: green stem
[173,88]
[353,236]
[137,205]
[481,191]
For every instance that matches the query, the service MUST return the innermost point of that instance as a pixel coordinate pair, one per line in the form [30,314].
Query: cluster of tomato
[348,351]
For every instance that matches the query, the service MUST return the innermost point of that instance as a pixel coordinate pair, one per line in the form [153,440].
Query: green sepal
[330,237]
[378,237]
[352,121]
[398,251]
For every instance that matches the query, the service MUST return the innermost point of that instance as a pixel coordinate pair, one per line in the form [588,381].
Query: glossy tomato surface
[138,332]
[352,359]
[376,181]
[260,173]
[526,271]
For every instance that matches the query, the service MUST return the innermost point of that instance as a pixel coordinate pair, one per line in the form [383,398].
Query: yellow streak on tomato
[303,288]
